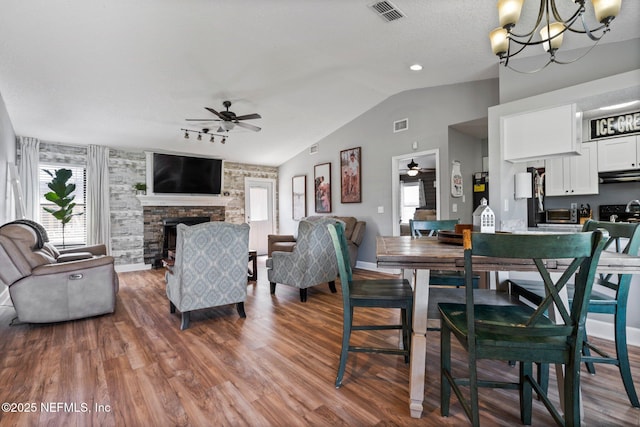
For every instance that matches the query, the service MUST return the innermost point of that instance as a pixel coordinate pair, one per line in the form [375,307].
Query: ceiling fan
[413,169]
[229,119]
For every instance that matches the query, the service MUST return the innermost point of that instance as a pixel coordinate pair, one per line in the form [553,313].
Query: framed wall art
[350,182]
[322,187]
[299,196]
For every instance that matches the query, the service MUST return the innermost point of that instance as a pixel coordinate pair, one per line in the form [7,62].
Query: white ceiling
[127,73]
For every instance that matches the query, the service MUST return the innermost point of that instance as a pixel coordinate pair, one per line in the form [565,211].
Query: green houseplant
[140,187]
[62,196]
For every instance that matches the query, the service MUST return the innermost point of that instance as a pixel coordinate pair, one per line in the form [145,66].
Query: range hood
[631,175]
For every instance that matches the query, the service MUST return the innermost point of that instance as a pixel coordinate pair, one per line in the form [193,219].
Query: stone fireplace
[186,209]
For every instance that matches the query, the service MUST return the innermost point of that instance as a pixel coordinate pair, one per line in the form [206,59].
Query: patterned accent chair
[210,268]
[311,262]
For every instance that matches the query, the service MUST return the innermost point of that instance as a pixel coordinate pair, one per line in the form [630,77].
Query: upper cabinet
[618,154]
[542,134]
[573,175]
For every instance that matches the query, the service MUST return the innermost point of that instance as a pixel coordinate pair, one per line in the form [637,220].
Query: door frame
[396,161]
[247,182]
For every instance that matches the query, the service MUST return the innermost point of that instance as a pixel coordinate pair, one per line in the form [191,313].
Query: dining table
[429,253]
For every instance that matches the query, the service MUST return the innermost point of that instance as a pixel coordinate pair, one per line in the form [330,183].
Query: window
[410,200]
[75,231]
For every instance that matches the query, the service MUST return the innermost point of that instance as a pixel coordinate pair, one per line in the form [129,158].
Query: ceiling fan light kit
[229,120]
[507,41]
[414,168]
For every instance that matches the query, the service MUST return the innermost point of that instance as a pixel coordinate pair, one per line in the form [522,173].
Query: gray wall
[467,150]
[430,112]
[7,155]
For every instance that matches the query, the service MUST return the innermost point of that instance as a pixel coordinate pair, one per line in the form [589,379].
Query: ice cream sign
[608,127]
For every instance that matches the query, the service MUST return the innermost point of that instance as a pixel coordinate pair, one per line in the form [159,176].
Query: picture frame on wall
[322,187]
[350,174]
[299,196]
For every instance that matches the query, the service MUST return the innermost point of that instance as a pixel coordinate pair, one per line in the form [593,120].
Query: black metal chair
[378,293]
[613,302]
[519,332]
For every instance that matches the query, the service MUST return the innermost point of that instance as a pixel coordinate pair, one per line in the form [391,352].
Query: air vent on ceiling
[313,149]
[387,10]
[400,125]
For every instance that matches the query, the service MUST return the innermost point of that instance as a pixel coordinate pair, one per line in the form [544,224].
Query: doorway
[259,211]
[426,160]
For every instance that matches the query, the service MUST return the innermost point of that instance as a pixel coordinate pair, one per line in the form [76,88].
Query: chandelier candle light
[507,41]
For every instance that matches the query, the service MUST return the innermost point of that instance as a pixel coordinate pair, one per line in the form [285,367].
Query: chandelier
[507,41]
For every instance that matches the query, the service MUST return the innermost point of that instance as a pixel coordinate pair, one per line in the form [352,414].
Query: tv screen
[182,174]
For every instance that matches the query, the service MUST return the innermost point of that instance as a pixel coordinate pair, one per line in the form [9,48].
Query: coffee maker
[535,205]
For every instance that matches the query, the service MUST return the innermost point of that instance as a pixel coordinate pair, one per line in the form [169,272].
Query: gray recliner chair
[48,285]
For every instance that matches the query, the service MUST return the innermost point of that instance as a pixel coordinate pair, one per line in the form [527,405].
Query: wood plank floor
[277,367]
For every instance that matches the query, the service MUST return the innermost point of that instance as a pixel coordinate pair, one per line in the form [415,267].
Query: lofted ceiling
[127,74]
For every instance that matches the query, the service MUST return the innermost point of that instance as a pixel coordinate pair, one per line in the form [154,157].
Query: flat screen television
[186,175]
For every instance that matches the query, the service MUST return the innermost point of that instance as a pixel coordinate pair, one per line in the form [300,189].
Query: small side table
[253,271]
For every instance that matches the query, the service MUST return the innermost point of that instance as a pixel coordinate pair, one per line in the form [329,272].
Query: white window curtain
[28,171]
[98,211]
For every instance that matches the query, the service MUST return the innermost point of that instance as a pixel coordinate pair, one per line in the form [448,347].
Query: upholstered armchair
[354,233]
[311,262]
[210,268]
[47,285]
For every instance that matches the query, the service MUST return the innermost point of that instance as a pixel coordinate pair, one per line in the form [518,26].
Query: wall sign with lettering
[623,124]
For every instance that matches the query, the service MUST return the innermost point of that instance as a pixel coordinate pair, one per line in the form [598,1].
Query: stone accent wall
[234,175]
[153,228]
[126,168]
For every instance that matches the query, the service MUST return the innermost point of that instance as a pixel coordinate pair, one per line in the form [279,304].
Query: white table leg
[418,358]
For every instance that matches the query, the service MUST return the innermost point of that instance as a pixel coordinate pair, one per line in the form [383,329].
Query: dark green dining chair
[378,293]
[431,228]
[610,295]
[519,332]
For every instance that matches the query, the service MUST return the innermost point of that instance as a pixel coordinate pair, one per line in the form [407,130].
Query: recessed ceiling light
[416,67]
[617,106]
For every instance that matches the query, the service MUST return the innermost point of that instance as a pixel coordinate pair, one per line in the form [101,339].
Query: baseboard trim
[604,330]
[132,267]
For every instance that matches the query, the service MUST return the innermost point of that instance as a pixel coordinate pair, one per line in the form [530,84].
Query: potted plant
[62,196]
[141,188]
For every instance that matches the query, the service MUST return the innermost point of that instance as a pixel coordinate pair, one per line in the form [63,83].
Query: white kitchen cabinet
[619,153]
[541,134]
[574,175]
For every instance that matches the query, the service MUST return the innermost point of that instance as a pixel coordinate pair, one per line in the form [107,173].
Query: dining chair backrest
[583,249]
[431,227]
[344,265]
[618,233]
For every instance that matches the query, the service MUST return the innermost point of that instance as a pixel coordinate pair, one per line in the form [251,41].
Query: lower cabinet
[573,175]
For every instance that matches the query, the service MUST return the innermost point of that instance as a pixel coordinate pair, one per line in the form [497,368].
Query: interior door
[259,211]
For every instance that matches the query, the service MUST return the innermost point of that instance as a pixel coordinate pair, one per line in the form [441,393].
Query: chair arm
[93,249]
[277,238]
[71,266]
[358,233]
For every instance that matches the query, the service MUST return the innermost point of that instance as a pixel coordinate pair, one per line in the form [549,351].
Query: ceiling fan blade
[202,120]
[248,126]
[211,110]
[249,116]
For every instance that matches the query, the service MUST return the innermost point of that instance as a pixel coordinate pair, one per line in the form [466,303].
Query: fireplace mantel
[183,200]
